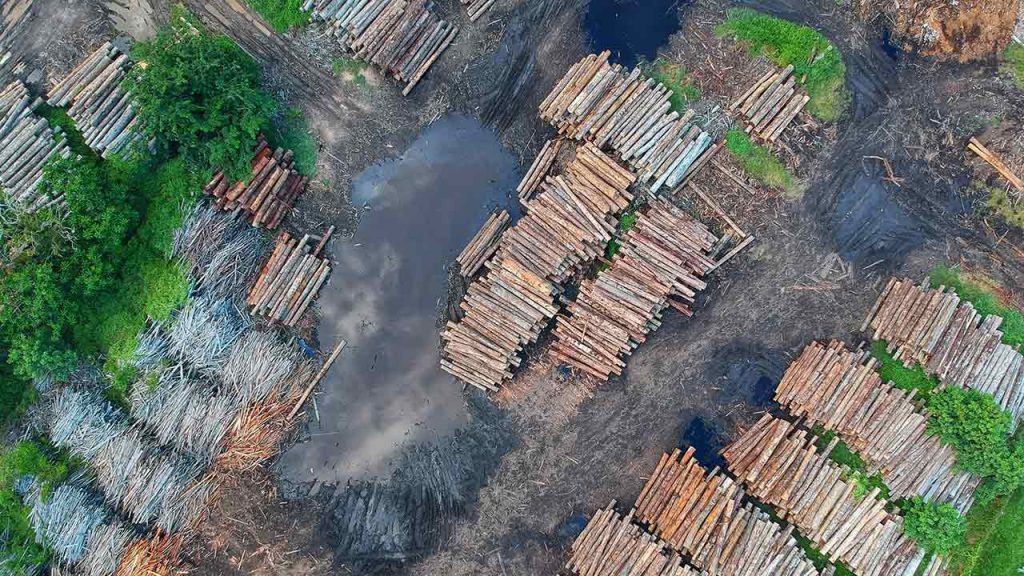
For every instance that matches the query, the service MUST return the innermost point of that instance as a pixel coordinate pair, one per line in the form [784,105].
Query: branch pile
[612,545]
[628,113]
[289,281]
[402,38]
[220,254]
[483,245]
[566,226]
[841,391]
[26,143]
[771,104]
[781,466]
[662,257]
[704,515]
[100,108]
[950,339]
[268,197]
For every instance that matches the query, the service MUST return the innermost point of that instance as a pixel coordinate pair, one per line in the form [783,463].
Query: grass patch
[291,131]
[817,65]
[674,77]
[843,455]
[351,69]
[1013,63]
[281,14]
[759,162]
[998,200]
[1001,551]
[892,370]
[984,301]
[626,223]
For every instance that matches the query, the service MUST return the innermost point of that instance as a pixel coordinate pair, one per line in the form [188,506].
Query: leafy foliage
[674,77]
[892,370]
[291,131]
[626,223]
[198,95]
[758,161]
[281,14]
[817,65]
[938,528]
[1013,63]
[984,302]
[58,118]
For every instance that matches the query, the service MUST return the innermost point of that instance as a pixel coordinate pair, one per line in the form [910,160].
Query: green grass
[1013,63]
[999,201]
[759,162]
[674,77]
[843,455]
[1001,551]
[58,118]
[350,68]
[892,370]
[984,301]
[817,65]
[291,131]
[281,14]
[626,223]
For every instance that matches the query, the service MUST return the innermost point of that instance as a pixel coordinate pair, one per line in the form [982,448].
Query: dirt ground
[565,446]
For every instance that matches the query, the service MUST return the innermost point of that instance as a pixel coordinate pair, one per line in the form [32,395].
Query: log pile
[402,38]
[840,390]
[94,99]
[566,226]
[612,545]
[950,339]
[995,162]
[477,8]
[623,111]
[483,245]
[539,169]
[704,515]
[290,280]
[771,104]
[268,197]
[781,466]
[661,259]
[26,143]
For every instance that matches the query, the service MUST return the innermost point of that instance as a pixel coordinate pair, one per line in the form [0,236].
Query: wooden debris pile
[483,245]
[566,226]
[539,169]
[782,467]
[841,391]
[290,280]
[950,339]
[996,163]
[630,114]
[771,104]
[661,259]
[477,8]
[612,545]
[268,197]
[402,38]
[26,143]
[704,515]
[100,108]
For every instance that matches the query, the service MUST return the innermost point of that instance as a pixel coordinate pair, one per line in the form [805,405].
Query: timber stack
[477,8]
[290,280]
[612,545]
[539,169]
[483,245]
[781,466]
[101,109]
[27,142]
[269,196]
[661,263]
[566,226]
[950,340]
[996,163]
[704,515]
[402,38]
[840,390]
[771,104]
[625,112]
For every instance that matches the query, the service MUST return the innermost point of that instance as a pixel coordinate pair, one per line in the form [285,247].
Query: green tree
[939,528]
[198,94]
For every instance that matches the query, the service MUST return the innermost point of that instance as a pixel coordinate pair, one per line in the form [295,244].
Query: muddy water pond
[632,29]
[387,286]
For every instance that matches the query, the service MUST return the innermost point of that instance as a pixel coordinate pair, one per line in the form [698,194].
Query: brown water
[387,285]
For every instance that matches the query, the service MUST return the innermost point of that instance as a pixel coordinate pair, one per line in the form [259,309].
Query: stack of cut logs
[26,143]
[612,545]
[704,515]
[951,340]
[401,37]
[290,280]
[539,169]
[628,113]
[100,108]
[477,8]
[840,390]
[268,197]
[662,257]
[997,163]
[771,104]
[566,226]
[483,245]
[781,466]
